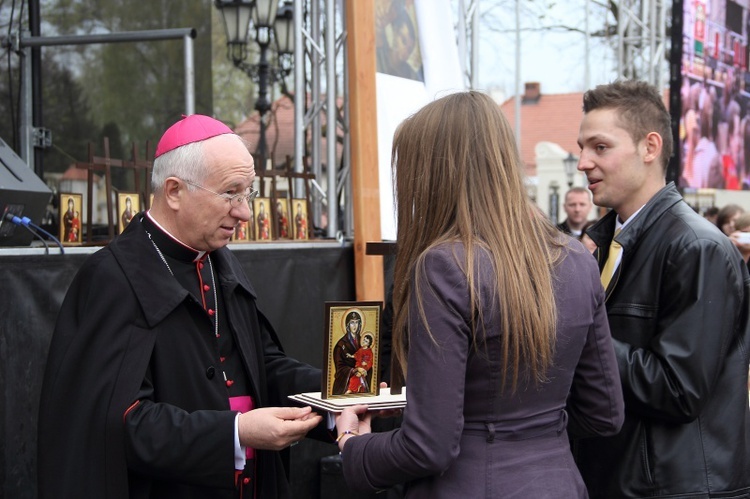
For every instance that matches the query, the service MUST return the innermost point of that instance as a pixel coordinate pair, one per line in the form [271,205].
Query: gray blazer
[461,435]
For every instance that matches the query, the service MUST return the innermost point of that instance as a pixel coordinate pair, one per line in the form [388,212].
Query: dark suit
[563,226]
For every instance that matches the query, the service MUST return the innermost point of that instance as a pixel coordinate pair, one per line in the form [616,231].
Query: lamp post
[283,29]
[238,16]
[554,202]
[570,163]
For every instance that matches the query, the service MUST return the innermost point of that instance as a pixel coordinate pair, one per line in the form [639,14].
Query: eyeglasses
[235,200]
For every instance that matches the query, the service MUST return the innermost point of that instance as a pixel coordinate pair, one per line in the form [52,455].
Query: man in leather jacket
[678,311]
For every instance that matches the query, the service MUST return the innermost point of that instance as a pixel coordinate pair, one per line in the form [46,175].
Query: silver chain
[213,282]
[216,301]
[160,254]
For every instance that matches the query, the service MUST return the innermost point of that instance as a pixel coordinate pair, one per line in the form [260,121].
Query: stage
[293,280]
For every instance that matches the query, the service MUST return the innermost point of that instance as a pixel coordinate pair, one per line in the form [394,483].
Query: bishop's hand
[275,428]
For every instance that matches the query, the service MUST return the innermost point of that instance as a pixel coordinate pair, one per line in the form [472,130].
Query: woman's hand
[353,421]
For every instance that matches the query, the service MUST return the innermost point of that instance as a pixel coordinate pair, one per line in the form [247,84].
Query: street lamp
[284,29]
[570,163]
[554,202]
[283,33]
[238,16]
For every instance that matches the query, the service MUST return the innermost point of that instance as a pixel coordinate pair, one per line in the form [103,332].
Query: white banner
[410,75]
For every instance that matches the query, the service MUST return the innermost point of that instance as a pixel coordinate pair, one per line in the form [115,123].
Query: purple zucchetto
[193,128]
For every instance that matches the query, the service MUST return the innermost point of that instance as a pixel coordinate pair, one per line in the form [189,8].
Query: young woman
[500,324]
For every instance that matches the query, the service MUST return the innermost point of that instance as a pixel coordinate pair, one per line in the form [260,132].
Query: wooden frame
[71,221]
[128,204]
[350,365]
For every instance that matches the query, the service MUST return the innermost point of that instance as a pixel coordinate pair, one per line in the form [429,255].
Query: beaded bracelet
[346,432]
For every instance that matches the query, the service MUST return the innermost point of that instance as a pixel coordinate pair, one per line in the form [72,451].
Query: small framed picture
[263,226]
[71,221]
[282,218]
[241,232]
[245,230]
[128,204]
[300,218]
[352,347]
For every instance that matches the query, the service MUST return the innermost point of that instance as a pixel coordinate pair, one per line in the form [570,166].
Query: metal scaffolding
[320,74]
[642,40]
[322,77]
[33,136]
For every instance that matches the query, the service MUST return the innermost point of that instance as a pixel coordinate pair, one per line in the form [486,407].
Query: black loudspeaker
[22,194]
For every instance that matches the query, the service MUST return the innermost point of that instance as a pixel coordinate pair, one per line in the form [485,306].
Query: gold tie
[609,267]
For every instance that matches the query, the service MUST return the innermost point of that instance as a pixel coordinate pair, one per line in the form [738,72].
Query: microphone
[33,228]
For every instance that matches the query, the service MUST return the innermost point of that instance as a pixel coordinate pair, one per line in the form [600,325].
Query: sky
[556,59]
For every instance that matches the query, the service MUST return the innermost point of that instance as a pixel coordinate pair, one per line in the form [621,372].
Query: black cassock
[128,329]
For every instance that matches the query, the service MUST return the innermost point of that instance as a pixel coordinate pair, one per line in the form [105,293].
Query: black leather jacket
[678,312]
[563,226]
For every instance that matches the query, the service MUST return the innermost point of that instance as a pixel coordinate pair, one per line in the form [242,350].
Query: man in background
[577,207]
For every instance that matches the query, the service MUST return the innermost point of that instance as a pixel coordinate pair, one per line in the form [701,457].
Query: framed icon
[263,226]
[128,204]
[71,220]
[282,219]
[352,347]
[241,232]
[299,206]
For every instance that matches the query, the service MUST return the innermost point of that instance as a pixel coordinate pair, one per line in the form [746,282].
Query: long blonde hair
[458,177]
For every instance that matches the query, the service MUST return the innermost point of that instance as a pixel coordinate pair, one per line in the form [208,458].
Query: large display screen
[714,127]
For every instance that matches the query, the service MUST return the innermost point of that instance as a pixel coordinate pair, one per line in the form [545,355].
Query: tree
[138,85]
[137,88]
[547,19]
[66,112]
[557,27]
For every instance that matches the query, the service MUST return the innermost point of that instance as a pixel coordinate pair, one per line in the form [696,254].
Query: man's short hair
[711,211]
[582,190]
[641,111]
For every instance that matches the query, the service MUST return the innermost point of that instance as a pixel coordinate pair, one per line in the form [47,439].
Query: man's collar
[169,244]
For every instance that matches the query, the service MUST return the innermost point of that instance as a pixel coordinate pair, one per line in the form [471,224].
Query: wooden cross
[139,165]
[306,175]
[100,164]
[105,164]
